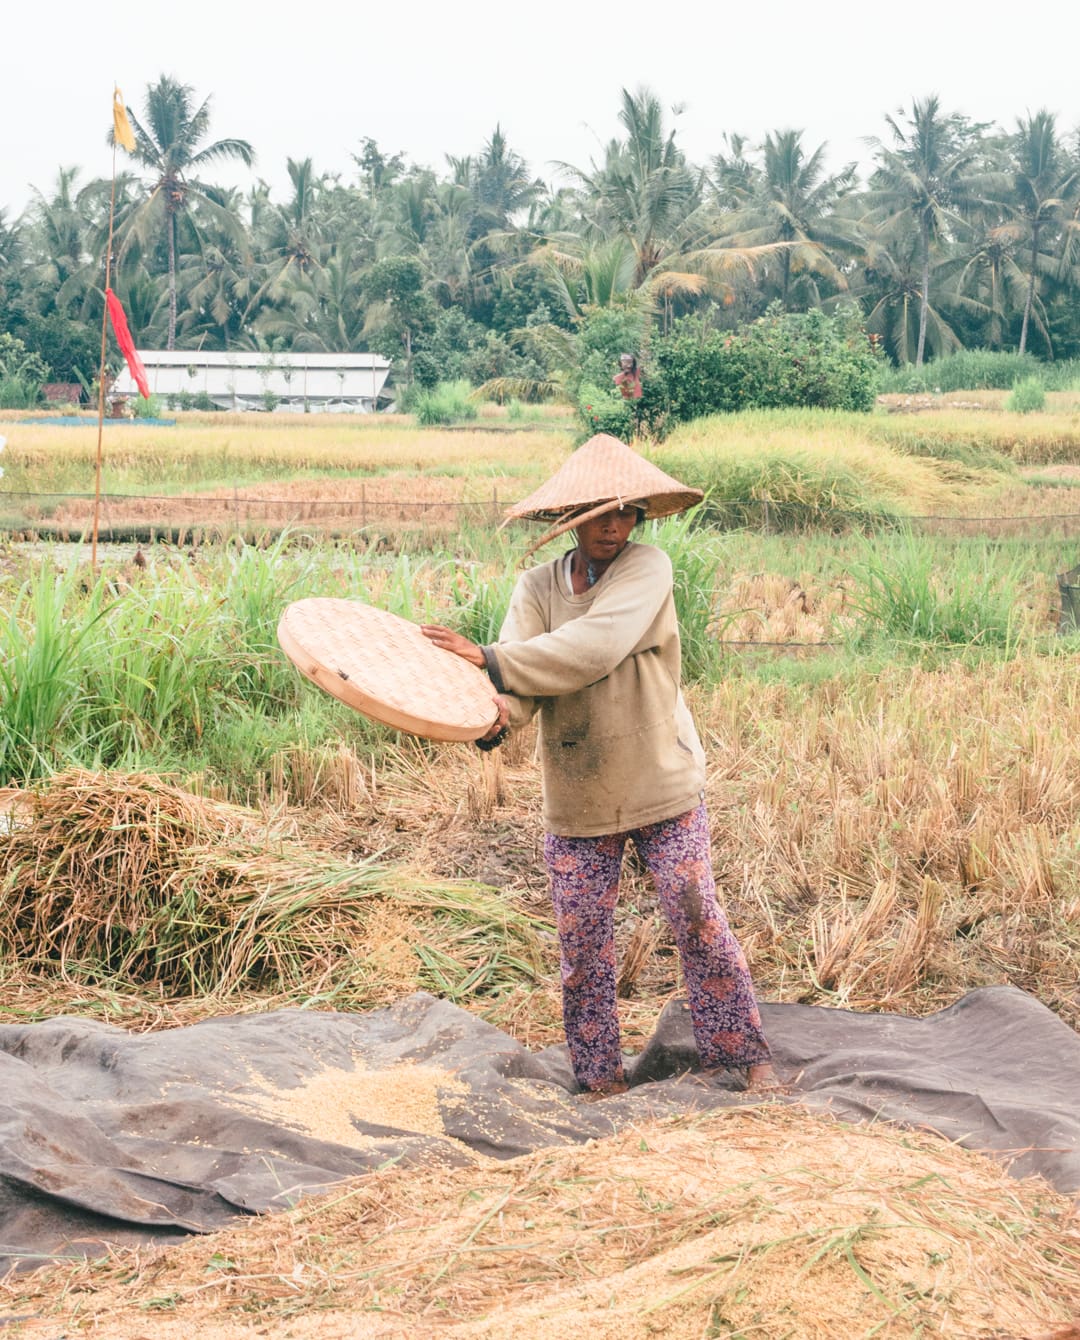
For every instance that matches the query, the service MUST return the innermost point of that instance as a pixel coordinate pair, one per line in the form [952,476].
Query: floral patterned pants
[585,889]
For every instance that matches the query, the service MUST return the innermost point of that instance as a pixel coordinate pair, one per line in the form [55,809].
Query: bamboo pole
[101,369]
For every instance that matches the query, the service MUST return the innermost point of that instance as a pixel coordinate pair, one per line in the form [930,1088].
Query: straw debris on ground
[767,1222]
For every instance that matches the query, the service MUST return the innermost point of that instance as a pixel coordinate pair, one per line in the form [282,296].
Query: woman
[591,643]
[628,377]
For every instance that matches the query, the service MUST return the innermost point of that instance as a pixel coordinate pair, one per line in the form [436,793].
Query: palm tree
[11,242]
[586,274]
[791,201]
[500,184]
[67,237]
[892,284]
[646,193]
[1046,187]
[927,179]
[989,283]
[288,237]
[168,145]
[322,309]
[644,190]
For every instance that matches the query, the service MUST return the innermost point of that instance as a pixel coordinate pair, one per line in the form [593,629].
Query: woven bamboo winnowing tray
[385,667]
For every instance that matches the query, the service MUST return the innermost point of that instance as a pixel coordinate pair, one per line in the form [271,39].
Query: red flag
[127,345]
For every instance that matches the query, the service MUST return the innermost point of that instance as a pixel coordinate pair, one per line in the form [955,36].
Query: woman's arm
[523,619]
[587,648]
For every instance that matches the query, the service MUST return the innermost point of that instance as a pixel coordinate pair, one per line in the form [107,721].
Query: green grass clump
[449,402]
[906,594]
[696,555]
[1028,395]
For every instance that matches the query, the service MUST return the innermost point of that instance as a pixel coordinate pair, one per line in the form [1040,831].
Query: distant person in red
[628,378]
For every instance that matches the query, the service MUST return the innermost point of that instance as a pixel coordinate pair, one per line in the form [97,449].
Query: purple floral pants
[584,890]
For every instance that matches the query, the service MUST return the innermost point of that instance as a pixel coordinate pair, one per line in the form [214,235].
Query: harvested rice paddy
[893,801]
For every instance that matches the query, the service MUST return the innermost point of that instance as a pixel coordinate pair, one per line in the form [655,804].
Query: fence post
[363,506]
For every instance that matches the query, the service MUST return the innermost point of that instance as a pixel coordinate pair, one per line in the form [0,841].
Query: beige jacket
[618,747]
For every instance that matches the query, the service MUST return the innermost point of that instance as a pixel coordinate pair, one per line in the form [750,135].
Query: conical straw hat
[601,475]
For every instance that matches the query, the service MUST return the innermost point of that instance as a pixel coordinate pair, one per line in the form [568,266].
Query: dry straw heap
[757,1223]
[121,878]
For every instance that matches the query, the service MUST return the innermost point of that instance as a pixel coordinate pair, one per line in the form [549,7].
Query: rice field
[892,722]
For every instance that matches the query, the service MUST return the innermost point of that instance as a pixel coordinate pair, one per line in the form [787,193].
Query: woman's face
[604,537]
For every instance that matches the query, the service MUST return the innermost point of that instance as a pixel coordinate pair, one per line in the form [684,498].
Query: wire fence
[122,516]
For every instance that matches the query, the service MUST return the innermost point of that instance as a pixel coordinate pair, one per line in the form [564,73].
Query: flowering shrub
[604,412]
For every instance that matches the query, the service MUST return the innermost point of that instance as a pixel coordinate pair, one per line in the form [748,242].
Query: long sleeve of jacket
[524,621]
[586,649]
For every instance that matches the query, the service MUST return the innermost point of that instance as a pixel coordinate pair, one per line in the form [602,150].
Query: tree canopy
[963,234]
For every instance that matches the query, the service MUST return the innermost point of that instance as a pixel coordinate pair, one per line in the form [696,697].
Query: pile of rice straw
[767,1222]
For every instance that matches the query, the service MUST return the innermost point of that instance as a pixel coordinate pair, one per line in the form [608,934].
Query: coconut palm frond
[532,390]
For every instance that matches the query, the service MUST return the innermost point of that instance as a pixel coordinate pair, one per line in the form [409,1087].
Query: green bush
[1028,395]
[15,393]
[603,411]
[449,402]
[22,374]
[779,361]
[145,407]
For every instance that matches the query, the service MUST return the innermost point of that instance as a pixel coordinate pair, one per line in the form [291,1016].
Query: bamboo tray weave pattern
[383,665]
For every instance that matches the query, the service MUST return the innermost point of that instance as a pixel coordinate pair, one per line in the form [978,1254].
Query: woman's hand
[502,720]
[496,733]
[451,641]
[473,652]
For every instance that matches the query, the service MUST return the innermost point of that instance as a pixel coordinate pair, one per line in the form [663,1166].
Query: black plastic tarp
[110,1137]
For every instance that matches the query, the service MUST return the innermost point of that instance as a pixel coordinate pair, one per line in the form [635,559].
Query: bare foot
[609,1090]
[762,1078]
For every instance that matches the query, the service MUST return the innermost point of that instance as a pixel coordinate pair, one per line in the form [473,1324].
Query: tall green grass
[906,594]
[1027,396]
[447,403]
[696,554]
[176,668]
[43,655]
[978,370]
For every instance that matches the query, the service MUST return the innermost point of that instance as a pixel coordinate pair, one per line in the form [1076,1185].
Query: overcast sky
[430,79]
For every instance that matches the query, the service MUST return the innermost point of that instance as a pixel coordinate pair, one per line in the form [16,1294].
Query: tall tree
[66,239]
[791,201]
[891,285]
[11,263]
[288,236]
[988,283]
[499,181]
[169,144]
[927,178]
[1046,188]
[644,190]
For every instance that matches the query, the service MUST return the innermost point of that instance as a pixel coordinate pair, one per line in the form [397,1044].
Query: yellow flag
[122,132]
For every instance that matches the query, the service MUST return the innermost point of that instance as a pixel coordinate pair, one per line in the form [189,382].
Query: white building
[247,379]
